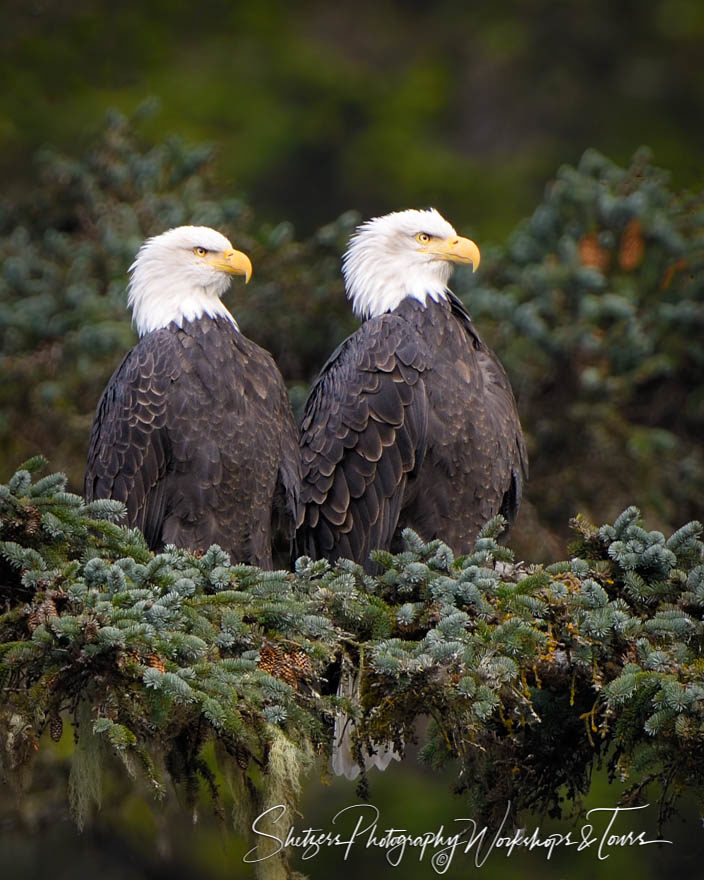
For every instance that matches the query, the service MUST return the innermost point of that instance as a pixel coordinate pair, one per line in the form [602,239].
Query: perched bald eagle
[194,431]
[412,421]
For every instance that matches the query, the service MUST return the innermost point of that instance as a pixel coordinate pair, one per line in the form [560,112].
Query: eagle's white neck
[159,297]
[382,266]
[376,288]
[162,306]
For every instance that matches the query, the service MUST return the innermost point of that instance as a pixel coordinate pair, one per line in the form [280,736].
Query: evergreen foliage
[530,675]
[596,305]
[201,672]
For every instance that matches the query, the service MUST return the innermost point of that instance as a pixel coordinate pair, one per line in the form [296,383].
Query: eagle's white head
[407,253]
[180,276]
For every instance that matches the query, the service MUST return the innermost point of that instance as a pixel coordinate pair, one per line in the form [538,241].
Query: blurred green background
[316,108]
[285,123]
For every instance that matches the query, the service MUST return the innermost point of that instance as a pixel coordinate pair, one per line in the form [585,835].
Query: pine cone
[41,613]
[300,661]
[591,253]
[25,525]
[33,520]
[241,756]
[268,659]
[33,619]
[289,665]
[155,661]
[632,249]
[56,727]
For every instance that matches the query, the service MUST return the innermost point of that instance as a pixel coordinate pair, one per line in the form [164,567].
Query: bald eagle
[412,421]
[194,431]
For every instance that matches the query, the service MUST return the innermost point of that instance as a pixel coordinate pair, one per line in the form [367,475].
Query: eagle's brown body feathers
[194,433]
[412,422]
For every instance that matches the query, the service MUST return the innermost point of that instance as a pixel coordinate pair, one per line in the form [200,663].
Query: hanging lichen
[85,782]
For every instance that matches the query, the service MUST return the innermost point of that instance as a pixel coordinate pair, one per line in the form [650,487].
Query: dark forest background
[539,129]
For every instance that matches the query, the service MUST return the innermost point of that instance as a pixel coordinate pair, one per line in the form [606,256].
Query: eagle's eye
[200,251]
[423,237]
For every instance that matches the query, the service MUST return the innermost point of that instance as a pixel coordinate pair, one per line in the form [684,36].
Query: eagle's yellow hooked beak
[454,249]
[233,262]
